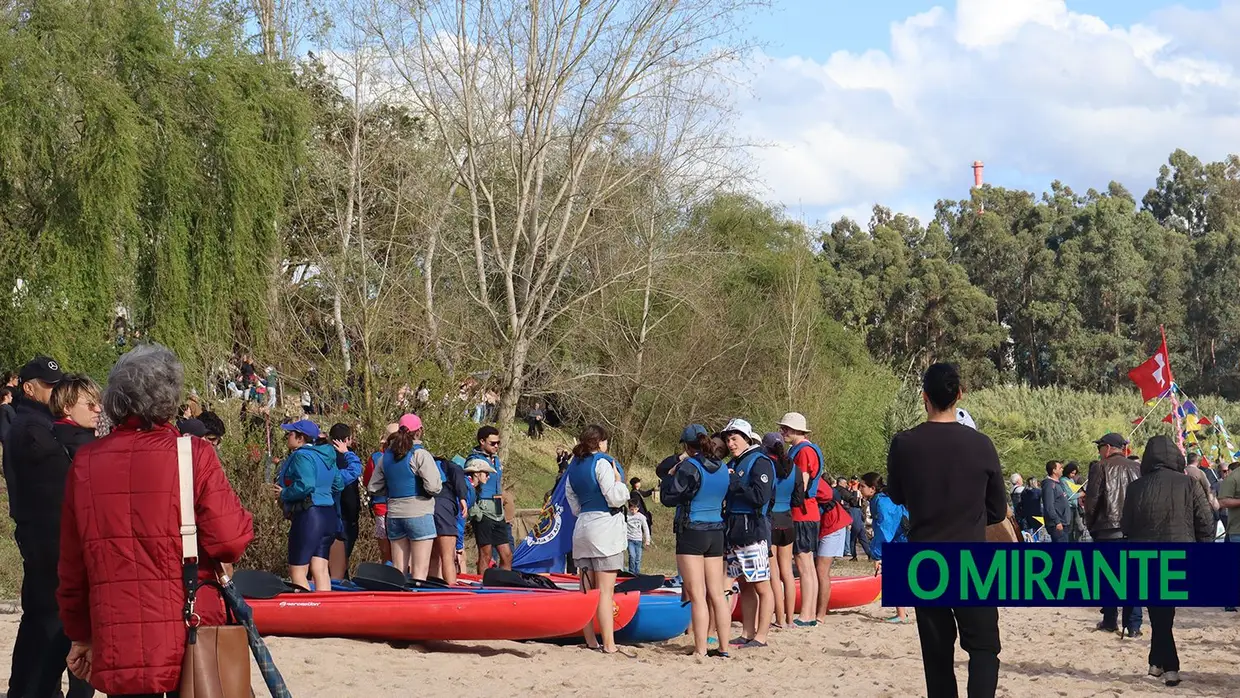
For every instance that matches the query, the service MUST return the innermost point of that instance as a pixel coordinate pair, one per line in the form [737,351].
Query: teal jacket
[311,471]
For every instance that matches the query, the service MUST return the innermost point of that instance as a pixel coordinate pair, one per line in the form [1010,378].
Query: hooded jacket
[1165,505]
[1105,493]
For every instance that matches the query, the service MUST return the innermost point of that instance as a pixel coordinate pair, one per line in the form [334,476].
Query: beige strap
[185,475]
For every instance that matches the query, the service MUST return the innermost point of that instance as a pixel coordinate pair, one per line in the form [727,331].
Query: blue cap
[303,426]
[692,433]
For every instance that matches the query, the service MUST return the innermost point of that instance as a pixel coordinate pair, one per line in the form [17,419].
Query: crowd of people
[753,511]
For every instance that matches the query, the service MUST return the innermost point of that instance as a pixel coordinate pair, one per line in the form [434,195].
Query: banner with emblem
[550,541]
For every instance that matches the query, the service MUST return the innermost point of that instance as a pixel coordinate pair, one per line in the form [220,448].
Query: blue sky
[890,102]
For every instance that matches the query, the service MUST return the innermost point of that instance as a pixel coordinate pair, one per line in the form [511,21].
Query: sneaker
[1135,632]
[753,644]
[1172,678]
[738,642]
[805,623]
[1156,672]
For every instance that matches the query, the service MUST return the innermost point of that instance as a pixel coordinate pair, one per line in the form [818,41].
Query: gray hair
[145,383]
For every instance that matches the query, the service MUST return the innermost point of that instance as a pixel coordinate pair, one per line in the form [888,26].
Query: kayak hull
[445,615]
[660,616]
[846,592]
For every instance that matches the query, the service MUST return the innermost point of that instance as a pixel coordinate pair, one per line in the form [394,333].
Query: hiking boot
[1172,678]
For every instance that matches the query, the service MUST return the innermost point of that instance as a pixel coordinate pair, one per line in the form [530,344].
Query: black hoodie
[1164,505]
[679,487]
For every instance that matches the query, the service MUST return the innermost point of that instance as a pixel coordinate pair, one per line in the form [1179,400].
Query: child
[639,534]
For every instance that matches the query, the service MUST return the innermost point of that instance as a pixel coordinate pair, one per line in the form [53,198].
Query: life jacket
[812,490]
[743,467]
[585,485]
[781,494]
[707,504]
[401,481]
[493,487]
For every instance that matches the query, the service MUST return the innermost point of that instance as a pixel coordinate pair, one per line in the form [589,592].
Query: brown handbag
[1006,531]
[217,657]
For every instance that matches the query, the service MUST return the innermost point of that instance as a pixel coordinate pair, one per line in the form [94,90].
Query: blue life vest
[707,504]
[812,490]
[376,460]
[782,501]
[585,485]
[401,482]
[494,486]
[743,467]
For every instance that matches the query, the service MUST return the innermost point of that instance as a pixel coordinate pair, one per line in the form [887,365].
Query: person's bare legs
[588,632]
[824,586]
[809,587]
[749,610]
[319,572]
[337,563]
[716,592]
[400,555]
[766,606]
[484,558]
[420,558]
[606,621]
[445,552]
[777,587]
[385,549]
[693,577]
[788,588]
[505,557]
[299,575]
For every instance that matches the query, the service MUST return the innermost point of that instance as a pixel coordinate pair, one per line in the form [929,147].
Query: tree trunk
[428,284]
[514,384]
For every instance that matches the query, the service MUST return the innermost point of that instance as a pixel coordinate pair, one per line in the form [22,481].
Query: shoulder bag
[217,657]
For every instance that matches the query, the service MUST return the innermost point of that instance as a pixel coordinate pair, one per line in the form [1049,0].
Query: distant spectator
[7,413]
[214,427]
[635,485]
[536,418]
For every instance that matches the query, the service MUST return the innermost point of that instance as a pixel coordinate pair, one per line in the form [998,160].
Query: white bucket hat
[964,418]
[741,426]
[795,421]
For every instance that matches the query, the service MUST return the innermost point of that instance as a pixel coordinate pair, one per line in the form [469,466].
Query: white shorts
[381,527]
[832,544]
[750,563]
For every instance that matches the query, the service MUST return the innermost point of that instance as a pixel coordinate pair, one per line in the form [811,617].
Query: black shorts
[781,537]
[806,540]
[691,541]
[490,532]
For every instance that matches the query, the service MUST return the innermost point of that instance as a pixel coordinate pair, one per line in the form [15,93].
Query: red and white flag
[1154,376]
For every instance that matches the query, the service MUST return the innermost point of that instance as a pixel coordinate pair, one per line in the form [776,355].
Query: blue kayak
[660,616]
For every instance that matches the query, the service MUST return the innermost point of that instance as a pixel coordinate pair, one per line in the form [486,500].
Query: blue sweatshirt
[887,515]
[311,471]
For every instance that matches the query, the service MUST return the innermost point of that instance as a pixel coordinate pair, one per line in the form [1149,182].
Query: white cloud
[1029,86]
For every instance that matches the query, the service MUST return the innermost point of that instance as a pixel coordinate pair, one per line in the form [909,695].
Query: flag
[1154,376]
[551,538]
[1169,418]
[1139,421]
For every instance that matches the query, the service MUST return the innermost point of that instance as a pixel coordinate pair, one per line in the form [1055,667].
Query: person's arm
[300,473]
[996,492]
[225,528]
[460,486]
[73,591]
[1050,516]
[574,504]
[378,481]
[1127,518]
[1229,493]
[426,469]
[1204,529]
[615,492]
[1209,492]
[680,487]
[1092,483]
[895,475]
[645,530]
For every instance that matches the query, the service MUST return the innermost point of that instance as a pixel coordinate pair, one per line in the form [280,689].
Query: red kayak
[846,592]
[624,606]
[446,615]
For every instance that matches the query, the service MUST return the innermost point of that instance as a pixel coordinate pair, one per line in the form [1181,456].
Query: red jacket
[120,554]
[835,519]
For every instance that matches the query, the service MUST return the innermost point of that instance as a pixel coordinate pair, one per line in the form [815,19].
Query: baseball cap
[412,422]
[692,433]
[42,368]
[192,427]
[1113,440]
[303,426]
[771,439]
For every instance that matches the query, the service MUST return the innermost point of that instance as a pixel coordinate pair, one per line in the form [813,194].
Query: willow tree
[143,157]
[548,112]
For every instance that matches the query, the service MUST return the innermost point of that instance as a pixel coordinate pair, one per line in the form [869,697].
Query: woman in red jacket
[121,521]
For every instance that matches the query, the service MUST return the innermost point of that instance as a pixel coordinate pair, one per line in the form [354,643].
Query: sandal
[739,642]
[753,644]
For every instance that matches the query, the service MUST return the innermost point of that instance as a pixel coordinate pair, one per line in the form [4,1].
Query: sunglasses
[492,443]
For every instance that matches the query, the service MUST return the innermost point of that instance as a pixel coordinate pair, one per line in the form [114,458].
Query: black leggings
[350,509]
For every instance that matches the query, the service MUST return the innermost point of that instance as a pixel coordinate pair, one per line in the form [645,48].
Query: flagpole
[1175,403]
[1147,416]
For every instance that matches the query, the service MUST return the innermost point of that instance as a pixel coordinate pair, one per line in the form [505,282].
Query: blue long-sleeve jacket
[886,515]
[350,467]
[310,472]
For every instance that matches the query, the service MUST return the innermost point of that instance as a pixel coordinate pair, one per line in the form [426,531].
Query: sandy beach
[1046,652]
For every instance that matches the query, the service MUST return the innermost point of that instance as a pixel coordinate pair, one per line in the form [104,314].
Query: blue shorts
[312,534]
[416,528]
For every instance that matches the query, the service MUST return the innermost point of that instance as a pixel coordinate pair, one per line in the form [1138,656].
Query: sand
[1046,652]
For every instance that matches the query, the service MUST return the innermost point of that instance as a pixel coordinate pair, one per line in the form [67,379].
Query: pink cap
[412,422]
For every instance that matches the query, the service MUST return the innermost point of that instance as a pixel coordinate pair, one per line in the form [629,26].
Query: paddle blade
[643,583]
[257,584]
[372,576]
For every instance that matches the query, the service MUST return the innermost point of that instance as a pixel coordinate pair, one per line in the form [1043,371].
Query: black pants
[979,636]
[1130,619]
[536,429]
[1162,640]
[40,648]
[350,509]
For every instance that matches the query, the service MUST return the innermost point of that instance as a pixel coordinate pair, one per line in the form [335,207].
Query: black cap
[192,427]
[1113,440]
[42,368]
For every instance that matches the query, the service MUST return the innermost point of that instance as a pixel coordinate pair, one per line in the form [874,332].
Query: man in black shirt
[948,476]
